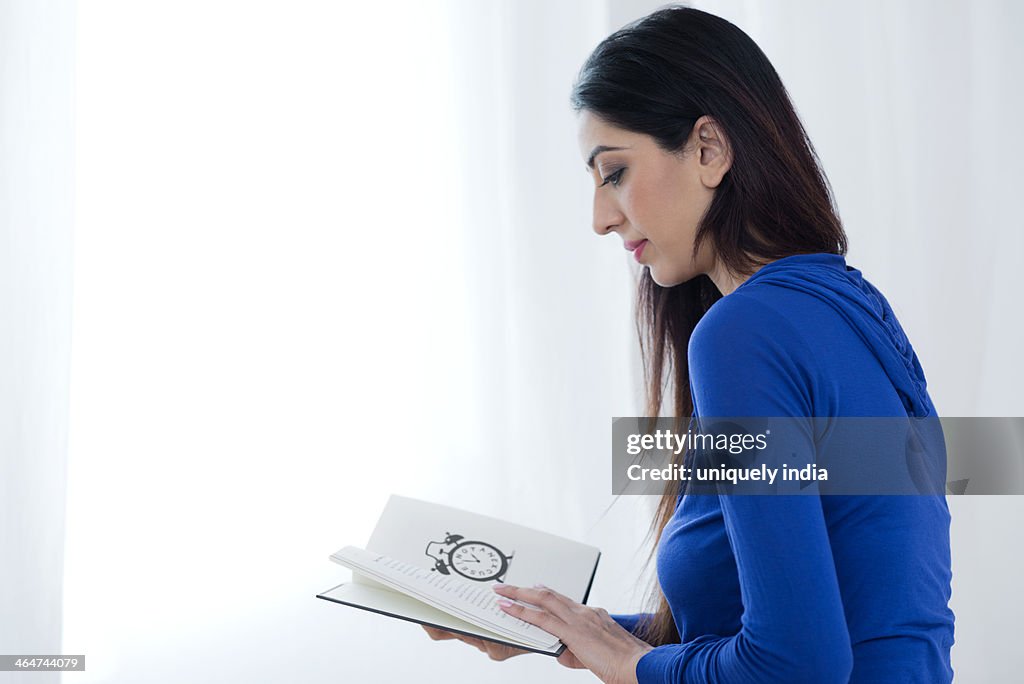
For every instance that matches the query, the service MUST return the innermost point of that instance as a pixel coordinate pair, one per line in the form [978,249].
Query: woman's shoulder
[767,312]
[838,340]
[753,317]
[746,358]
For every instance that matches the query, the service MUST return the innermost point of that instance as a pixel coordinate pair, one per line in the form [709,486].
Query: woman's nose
[606,217]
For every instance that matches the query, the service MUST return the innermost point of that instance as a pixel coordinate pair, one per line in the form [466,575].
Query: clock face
[478,560]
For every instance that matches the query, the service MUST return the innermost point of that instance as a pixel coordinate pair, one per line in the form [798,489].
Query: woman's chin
[664,279]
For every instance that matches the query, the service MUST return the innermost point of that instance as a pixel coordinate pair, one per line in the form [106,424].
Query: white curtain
[915,110]
[327,252]
[36,193]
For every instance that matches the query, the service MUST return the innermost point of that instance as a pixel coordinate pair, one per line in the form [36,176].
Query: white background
[323,252]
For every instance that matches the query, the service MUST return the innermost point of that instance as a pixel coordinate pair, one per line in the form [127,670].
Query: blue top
[805,588]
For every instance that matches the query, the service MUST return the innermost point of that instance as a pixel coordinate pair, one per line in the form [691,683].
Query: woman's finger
[443,634]
[439,634]
[500,651]
[541,618]
[496,651]
[559,605]
[569,659]
[480,644]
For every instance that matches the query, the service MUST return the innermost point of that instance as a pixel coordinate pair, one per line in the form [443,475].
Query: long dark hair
[657,76]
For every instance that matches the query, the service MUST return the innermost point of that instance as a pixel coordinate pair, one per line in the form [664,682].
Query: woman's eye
[613,178]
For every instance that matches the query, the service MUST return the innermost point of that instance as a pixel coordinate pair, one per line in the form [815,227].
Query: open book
[436,565]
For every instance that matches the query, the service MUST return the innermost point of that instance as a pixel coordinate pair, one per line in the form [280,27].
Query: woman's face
[651,198]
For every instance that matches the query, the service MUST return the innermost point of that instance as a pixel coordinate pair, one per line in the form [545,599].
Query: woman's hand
[594,639]
[496,651]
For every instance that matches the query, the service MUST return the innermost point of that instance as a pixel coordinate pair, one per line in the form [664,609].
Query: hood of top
[844,288]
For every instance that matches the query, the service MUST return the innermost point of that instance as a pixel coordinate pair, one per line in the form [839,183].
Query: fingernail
[539,586]
[504,604]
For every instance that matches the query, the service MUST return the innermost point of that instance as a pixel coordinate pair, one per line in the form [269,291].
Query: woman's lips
[635,246]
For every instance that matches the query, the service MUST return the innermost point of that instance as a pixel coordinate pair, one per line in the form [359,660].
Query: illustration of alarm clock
[475,560]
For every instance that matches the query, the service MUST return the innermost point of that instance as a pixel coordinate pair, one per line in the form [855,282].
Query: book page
[378,598]
[474,603]
[481,549]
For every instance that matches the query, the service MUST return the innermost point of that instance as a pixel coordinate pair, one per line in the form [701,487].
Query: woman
[705,172]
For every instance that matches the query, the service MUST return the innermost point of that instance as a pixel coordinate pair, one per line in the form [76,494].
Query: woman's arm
[793,625]
[747,360]
[630,622]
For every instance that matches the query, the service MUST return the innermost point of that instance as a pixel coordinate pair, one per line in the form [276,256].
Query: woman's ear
[714,156]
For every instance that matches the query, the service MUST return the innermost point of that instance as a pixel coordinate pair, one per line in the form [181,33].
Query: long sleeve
[629,622]
[747,360]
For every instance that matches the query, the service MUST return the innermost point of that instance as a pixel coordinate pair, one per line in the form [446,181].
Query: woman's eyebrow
[598,150]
